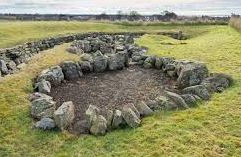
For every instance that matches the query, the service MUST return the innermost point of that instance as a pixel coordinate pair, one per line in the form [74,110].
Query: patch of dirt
[112,90]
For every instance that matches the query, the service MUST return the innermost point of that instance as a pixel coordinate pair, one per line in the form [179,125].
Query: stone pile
[12,59]
[108,53]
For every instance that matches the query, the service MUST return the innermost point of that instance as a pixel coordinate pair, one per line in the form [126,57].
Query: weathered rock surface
[42,107]
[3,67]
[75,50]
[92,113]
[117,119]
[217,82]
[54,75]
[133,108]
[192,74]
[153,105]
[71,70]
[190,99]
[64,115]
[43,86]
[158,63]
[12,67]
[177,99]
[165,103]
[45,124]
[100,64]
[108,115]
[38,95]
[83,45]
[143,109]
[118,61]
[130,117]
[99,126]
[149,62]
[199,90]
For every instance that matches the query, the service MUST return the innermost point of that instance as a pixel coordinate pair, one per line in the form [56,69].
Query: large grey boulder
[38,95]
[71,70]
[99,126]
[130,117]
[149,62]
[43,107]
[54,75]
[192,74]
[92,113]
[45,124]
[118,61]
[3,67]
[199,90]
[64,115]
[176,98]
[117,119]
[165,103]
[100,64]
[43,86]
[217,82]
[143,109]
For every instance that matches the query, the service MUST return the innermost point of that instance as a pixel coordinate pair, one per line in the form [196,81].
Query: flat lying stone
[143,109]
[42,107]
[177,99]
[45,124]
[199,90]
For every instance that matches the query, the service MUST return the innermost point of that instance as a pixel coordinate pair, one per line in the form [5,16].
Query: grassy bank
[212,129]
[18,32]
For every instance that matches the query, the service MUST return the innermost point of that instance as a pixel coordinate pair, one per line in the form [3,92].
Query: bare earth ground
[112,90]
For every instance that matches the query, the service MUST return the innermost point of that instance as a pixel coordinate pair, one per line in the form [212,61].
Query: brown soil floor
[112,90]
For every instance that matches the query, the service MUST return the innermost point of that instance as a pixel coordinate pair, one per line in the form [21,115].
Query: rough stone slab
[64,115]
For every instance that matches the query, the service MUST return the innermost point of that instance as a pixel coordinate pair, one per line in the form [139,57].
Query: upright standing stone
[64,115]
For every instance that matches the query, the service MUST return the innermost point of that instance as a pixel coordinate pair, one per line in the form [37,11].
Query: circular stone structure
[116,84]
[112,89]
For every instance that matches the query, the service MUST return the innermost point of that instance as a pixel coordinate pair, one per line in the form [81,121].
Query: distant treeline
[235,22]
[165,16]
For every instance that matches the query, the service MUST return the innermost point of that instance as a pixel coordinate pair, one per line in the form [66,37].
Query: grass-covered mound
[212,129]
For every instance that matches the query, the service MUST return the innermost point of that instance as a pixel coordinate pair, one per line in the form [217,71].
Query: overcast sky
[182,7]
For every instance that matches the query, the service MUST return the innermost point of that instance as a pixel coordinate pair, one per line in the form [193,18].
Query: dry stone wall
[12,58]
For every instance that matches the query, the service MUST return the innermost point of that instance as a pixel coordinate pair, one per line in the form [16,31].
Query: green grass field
[211,129]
